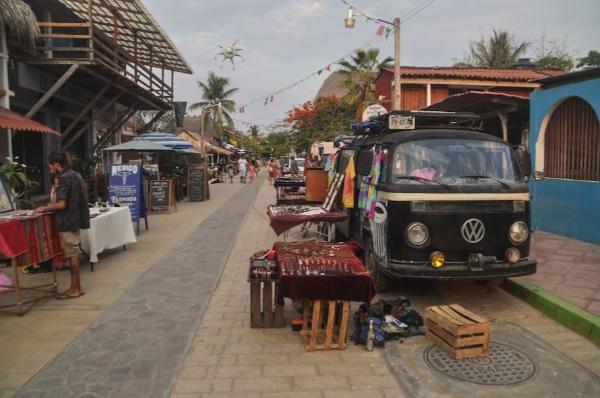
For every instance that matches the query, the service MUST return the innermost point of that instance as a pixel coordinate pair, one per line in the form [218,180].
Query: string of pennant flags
[383,31]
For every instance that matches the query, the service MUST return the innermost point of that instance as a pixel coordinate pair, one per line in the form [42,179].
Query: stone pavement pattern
[27,343]
[228,359]
[568,268]
[135,347]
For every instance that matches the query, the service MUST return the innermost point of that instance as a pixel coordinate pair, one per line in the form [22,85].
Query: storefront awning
[12,120]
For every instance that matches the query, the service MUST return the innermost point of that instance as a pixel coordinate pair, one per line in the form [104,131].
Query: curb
[563,312]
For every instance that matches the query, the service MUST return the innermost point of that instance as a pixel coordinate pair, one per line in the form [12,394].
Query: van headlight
[417,234]
[518,232]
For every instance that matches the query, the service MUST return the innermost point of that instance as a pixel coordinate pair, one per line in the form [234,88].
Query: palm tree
[19,19]
[501,50]
[216,107]
[360,72]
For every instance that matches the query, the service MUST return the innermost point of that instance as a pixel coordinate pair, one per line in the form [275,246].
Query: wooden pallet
[264,310]
[457,330]
[325,324]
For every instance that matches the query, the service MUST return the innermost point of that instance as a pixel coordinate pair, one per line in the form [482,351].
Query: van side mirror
[523,160]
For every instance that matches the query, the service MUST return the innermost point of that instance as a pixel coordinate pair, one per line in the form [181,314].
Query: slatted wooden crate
[264,310]
[325,324]
[457,330]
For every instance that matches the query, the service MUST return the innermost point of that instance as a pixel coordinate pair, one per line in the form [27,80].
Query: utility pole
[396,96]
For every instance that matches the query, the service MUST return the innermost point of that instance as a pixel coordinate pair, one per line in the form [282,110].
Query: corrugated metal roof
[12,120]
[478,102]
[476,73]
[134,19]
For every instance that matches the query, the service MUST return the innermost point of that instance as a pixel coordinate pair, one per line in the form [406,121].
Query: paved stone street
[568,268]
[134,348]
[31,341]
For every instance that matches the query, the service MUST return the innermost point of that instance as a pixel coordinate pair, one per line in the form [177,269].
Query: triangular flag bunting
[328,68]
[387,32]
[272,98]
[241,109]
[380,30]
[266,100]
[319,71]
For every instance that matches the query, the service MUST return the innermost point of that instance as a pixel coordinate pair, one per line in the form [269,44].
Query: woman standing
[251,171]
[272,170]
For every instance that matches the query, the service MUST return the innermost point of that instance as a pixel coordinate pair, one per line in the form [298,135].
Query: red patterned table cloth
[40,236]
[13,241]
[316,270]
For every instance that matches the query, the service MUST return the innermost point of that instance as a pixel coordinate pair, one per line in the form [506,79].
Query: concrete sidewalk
[567,268]
[228,359]
[28,343]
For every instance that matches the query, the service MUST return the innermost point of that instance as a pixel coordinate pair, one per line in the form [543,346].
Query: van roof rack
[343,140]
[420,120]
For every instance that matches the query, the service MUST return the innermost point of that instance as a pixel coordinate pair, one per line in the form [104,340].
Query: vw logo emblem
[472,230]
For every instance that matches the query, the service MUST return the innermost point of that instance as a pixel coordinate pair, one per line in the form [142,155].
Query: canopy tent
[12,120]
[167,139]
[139,146]
[203,146]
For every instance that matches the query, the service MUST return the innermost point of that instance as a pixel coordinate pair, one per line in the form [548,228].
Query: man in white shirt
[243,169]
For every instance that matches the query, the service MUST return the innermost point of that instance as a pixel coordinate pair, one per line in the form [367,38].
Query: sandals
[68,296]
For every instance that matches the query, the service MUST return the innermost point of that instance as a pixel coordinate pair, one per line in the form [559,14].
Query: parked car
[452,203]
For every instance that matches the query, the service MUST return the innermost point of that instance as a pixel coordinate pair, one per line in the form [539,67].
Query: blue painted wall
[566,207]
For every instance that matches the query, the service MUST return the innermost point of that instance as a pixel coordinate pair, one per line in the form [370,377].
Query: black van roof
[413,135]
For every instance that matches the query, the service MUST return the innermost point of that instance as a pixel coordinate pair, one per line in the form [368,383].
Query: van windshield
[455,162]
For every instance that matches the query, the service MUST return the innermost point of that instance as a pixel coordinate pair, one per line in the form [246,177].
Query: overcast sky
[286,40]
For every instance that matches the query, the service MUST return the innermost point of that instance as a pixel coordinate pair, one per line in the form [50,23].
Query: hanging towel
[348,196]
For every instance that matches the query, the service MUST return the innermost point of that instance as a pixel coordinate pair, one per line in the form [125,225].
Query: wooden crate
[264,310]
[457,330]
[325,324]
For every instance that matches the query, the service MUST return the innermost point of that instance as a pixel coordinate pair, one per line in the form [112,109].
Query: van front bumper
[464,271]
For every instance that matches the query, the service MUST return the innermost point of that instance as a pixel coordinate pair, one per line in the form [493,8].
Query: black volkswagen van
[452,202]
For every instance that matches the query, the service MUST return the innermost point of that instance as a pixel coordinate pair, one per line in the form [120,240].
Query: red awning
[12,120]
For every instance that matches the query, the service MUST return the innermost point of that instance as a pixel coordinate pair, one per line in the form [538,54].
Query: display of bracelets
[263,269]
[285,210]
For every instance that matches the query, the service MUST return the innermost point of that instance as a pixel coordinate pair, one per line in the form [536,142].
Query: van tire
[382,281]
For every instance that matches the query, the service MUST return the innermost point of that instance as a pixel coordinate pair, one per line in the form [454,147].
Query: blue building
[565,149]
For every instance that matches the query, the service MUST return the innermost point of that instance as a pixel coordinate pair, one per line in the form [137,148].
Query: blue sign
[126,188]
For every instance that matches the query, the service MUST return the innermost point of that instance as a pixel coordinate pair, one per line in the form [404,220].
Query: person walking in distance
[243,169]
[70,205]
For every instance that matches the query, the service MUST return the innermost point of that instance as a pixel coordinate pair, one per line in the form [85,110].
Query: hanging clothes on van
[348,194]
[371,194]
[330,167]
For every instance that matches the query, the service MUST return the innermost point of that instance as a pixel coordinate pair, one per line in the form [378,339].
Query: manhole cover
[503,365]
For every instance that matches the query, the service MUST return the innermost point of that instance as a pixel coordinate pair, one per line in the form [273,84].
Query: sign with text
[125,188]
[197,182]
[160,195]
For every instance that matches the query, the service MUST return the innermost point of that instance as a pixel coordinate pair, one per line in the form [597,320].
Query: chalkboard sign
[160,195]
[197,182]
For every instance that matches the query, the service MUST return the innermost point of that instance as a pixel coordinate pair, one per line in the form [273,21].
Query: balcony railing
[78,42]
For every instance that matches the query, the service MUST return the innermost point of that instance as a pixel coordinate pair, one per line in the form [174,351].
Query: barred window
[572,142]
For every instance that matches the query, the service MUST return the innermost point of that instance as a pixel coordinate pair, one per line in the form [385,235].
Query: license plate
[401,122]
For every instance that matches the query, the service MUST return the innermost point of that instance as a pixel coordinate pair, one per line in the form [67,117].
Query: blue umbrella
[167,139]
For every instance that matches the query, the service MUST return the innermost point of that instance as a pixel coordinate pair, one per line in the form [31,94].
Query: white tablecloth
[108,230]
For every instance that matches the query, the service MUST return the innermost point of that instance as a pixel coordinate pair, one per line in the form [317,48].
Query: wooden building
[425,86]
[95,64]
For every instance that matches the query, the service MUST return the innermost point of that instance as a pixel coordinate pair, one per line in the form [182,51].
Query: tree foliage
[216,104]
[360,72]
[500,50]
[323,120]
[552,53]
[591,60]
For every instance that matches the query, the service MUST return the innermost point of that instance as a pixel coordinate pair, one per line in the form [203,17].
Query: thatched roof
[19,20]
[332,86]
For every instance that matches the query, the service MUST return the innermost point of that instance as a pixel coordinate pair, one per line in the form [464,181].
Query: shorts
[69,242]
[244,172]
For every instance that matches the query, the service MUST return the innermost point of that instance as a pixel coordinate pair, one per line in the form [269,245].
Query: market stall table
[290,190]
[327,276]
[108,230]
[28,238]
[285,217]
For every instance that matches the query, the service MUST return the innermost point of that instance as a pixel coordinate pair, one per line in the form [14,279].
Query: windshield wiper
[505,185]
[421,179]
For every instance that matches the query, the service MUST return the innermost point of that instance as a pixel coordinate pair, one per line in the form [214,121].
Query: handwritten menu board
[160,195]
[197,182]
[6,203]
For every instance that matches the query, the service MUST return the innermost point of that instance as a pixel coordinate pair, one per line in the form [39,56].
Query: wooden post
[162,78]
[48,30]
[115,37]
[504,123]
[172,86]
[90,31]
[428,88]
[151,73]
[135,55]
